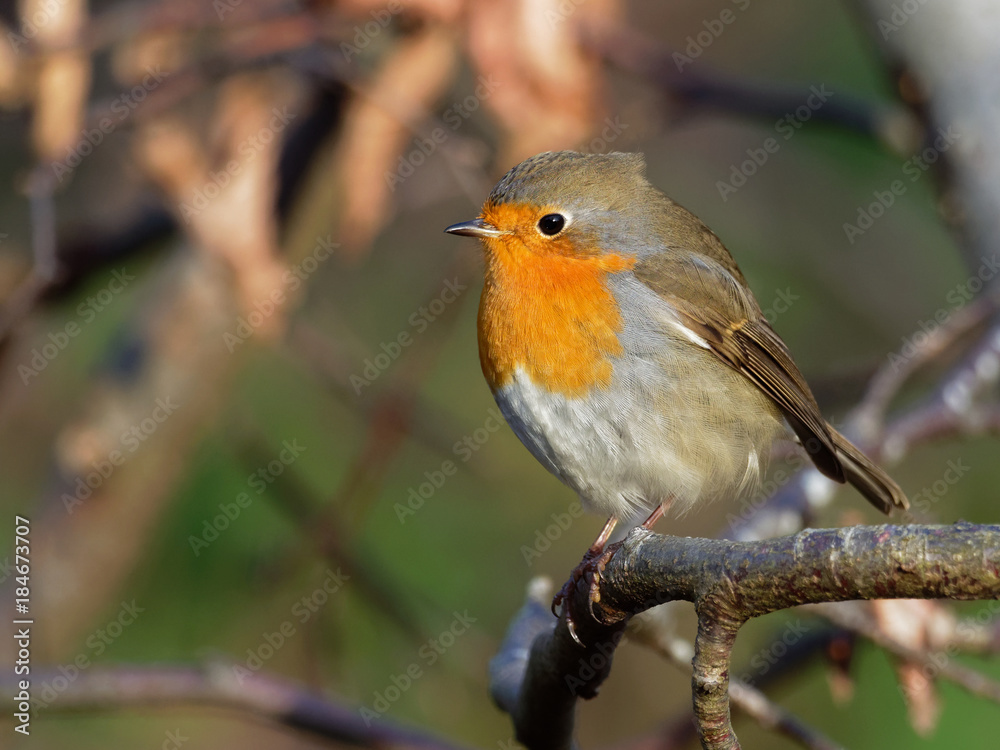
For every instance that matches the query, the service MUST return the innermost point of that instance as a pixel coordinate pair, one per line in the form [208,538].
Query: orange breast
[549,313]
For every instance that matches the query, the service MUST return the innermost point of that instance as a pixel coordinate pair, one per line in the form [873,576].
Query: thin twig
[890,379]
[218,685]
[951,409]
[324,529]
[45,267]
[938,663]
[743,695]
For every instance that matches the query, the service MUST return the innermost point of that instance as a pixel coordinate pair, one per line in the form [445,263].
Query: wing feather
[738,334]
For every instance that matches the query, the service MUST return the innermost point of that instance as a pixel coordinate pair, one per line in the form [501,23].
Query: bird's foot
[589,570]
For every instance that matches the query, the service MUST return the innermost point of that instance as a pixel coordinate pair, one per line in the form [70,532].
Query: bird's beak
[474,228]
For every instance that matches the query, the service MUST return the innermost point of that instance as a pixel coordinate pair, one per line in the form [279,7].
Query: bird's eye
[551,224]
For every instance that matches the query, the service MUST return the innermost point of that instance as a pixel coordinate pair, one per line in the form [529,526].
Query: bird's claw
[590,569]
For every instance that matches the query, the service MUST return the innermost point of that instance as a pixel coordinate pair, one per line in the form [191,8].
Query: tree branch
[729,583]
[890,125]
[654,633]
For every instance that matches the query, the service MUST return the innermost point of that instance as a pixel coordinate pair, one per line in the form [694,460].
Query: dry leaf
[224,191]
[911,622]
[379,127]
[547,86]
[840,652]
[62,79]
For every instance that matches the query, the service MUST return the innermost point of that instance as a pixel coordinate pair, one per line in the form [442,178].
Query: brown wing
[710,301]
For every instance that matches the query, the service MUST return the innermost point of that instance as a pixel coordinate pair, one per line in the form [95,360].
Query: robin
[626,351]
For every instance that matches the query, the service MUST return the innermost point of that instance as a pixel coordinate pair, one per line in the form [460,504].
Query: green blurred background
[334,507]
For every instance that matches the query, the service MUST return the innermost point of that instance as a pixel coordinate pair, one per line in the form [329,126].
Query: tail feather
[870,480]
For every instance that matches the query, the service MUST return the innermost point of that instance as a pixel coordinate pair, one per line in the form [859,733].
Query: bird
[626,351]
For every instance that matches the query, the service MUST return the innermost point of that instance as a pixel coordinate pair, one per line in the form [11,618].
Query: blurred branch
[45,263]
[870,413]
[218,685]
[953,408]
[956,406]
[935,662]
[327,531]
[890,125]
[772,716]
[121,23]
[390,420]
[539,673]
[325,356]
[83,251]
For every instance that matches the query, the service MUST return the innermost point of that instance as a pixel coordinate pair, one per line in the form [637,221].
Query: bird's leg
[595,551]
[593,563]
[598,546]
[658,512]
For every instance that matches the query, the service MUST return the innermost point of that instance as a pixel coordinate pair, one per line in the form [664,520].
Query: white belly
[645,439]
